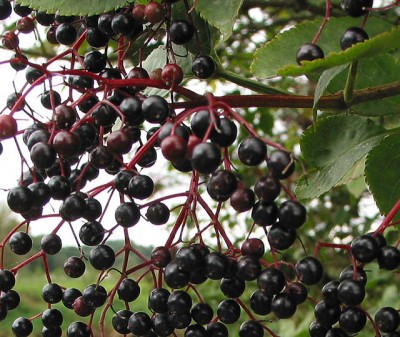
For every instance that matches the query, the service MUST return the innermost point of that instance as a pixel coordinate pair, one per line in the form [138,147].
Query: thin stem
[248,83]
[349,87]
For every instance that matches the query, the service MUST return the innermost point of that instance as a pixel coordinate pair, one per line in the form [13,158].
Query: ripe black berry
[309,52]
[283,305]
[387,319]
[181,32]
[309,270]
[102,257]
[252,151]
[352,36]
[203,66]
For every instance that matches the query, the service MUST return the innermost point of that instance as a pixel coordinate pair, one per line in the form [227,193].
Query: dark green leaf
[333,149]
[74,7]
[382,172]
[220,14]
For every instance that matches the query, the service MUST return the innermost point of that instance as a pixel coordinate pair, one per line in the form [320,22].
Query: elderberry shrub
[109,125]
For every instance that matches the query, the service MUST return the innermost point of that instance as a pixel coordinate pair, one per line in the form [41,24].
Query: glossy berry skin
[356,8]
[283,306]
[5,9]
[51,244]
[202,313]
[388,258]
[203,66]
[102,257]
[253,247]
[280,164]
[155,109]
[221,185]
[251,329]
[74,267]
[267,188]
[78,329]
[264,213]
[309,52]
[7,280]
[260,302]
[329,292]
[120,321]
[52,293]
[139,323]
[157,301]
[281,238]
[228,311]
[217,329]
[242,199]
[161,256]
[128,290]
[248,268]
[216,265]
[20,243]
[364,248]
[298,291]
[309,270]
[291,214]
[141,187]
[20,199]
[127,214]
[206,158]
[351,292]
[22,327]
[252,151]
[95,61]
[52,318]
[353,36]
[316,329]
[352,319]
[271,281]
[66,34]
[181,32]
[348,274]
[122,24]
[94,295]
[158,213]
[327,314]
[175,277]
[387,319]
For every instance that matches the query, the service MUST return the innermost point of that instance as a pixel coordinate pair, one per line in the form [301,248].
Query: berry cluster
[100,121]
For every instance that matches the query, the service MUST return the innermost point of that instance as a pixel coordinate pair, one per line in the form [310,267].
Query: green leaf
[323,82]
[374,71]
[220,13]
[281,51]
[382,172]
[333,149]
[74,7]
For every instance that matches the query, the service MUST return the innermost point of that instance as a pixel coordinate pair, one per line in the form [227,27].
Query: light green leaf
[280,52]
[380,44]
[220,14]
[323,82]
[333,149]
[382,172]
[74,7]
